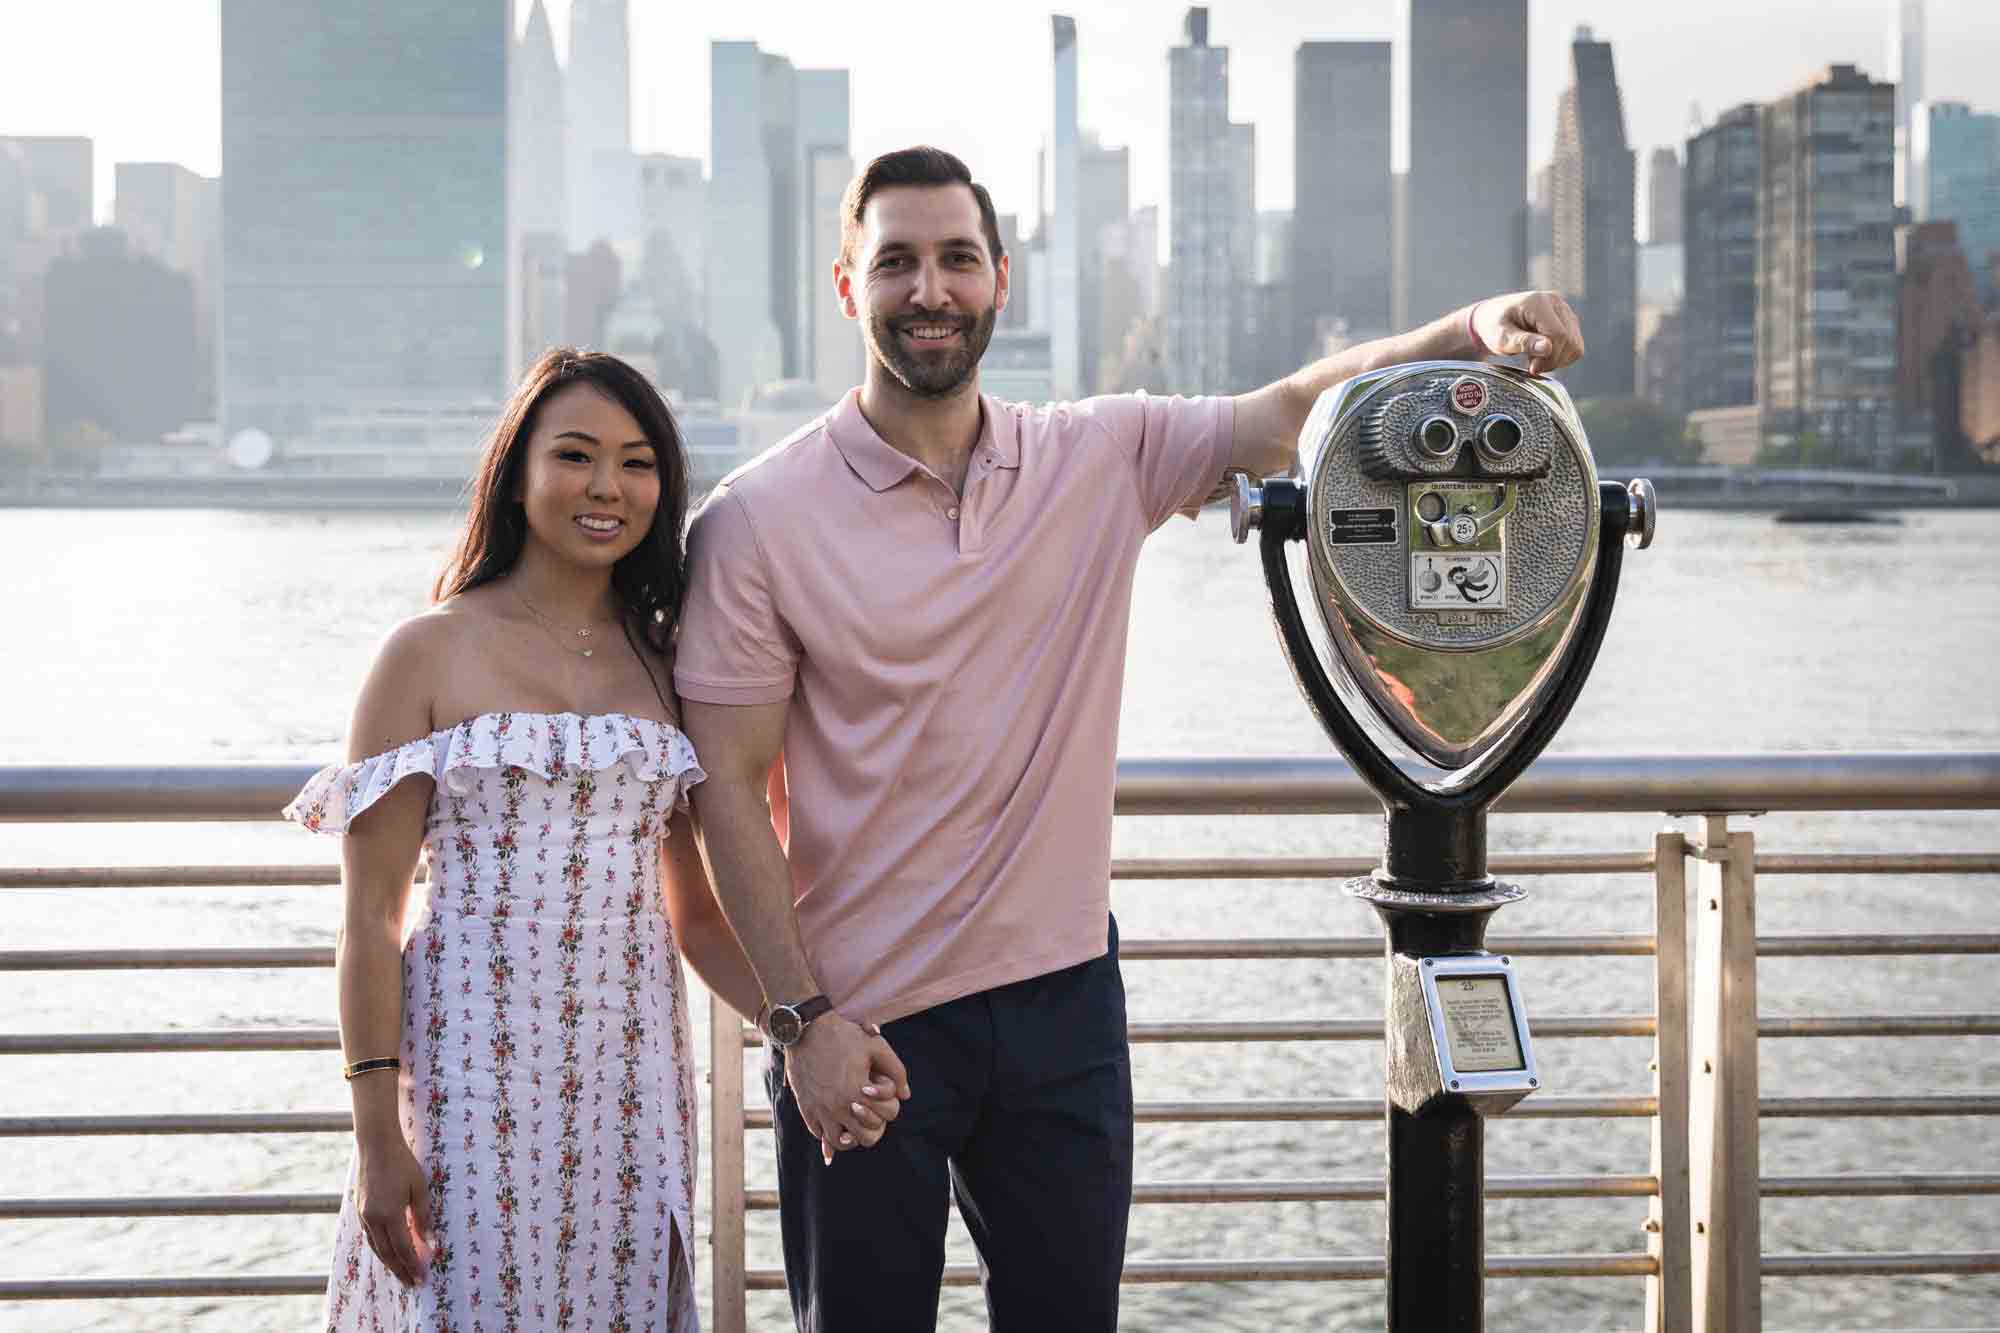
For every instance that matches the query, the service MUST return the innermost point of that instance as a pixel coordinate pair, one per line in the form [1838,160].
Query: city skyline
[53,79]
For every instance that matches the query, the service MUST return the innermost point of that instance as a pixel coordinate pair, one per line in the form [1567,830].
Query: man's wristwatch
[784,1024]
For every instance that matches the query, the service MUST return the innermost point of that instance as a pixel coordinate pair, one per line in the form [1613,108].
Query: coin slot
[1430,506]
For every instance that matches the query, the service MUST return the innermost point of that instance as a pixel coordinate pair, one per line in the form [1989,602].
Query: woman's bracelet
[370,1066]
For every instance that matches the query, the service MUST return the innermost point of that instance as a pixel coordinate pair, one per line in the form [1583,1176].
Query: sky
[141,77]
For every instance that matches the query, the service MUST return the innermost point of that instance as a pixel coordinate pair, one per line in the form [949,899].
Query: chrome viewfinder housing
[1452,517]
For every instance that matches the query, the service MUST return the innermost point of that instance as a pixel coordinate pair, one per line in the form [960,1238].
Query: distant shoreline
[355,494]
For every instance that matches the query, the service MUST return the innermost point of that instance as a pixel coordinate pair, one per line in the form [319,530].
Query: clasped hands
[847,1081]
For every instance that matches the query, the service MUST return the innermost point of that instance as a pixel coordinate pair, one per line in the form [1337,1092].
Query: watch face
[784,1024]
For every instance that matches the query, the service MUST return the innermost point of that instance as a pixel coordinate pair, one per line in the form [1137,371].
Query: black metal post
[1435,898]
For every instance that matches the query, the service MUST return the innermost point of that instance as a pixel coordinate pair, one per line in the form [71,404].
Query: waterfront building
[1104,198]
[1594,256]
[1663,198]
[364,223]
[1340,243]
[1719,227]
[45,202]
[1906,68]
[766,120]
[1063,227]
[1937,305]
[537,170]
[1955,177]
[836,340]
[175,216]
[1203,175]
[1466,218]
[1019,366]
[822,146]
[597,97]
[1826,266]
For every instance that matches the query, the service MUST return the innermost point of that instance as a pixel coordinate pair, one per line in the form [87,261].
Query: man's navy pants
[1021,1106]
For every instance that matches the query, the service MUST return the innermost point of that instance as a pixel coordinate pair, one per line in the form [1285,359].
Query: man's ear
[1000,285]
[843,289]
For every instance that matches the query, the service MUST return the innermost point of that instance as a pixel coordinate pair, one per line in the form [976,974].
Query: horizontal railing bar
[172,1205]
[1882,1025]
[1878,863]
[1673,783]
[1333,1029]
[1349,867]
[1369,947]
[192,1040]
[1955,1263]
[1878,1186]
[207,1122]
[1836,1108]
[1342,1108]
[93,960]
[1336,1269]
[153,1288]
[1364,947]
[1359,1189]
[168,877]
[1860,946]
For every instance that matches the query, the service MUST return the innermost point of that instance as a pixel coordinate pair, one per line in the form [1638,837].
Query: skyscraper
[1466,217]
[1663,198]
[1826,265]
[1104,197]
[1955,177]
[538,179]
[768,124]
[1719,230]
[364,217]
[822,138]
[1201,177]
[597,92]
[1595,257]
[1064,242]
[1906,67]
[748,351]
[1340,236]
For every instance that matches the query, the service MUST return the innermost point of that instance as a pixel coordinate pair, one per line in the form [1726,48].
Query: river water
[173,637]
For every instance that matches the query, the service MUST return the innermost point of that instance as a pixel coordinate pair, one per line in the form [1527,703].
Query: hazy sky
[141,76]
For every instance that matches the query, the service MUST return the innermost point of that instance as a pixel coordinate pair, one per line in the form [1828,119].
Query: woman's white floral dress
[548,1076]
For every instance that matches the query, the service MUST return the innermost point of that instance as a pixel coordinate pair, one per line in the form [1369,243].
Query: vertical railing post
[1723,1157]
[1669,1291]
[725,1167]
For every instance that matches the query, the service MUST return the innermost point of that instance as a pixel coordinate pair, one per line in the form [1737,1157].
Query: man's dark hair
[922,165]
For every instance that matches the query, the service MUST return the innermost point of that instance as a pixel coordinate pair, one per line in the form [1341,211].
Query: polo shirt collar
[881,466]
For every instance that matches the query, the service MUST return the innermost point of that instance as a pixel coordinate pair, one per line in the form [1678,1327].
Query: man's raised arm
[835,1058]
[1538,325]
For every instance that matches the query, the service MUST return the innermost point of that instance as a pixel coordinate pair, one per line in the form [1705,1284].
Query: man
[922,600]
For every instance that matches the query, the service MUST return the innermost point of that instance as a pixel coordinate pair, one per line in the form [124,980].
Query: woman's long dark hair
[650,579]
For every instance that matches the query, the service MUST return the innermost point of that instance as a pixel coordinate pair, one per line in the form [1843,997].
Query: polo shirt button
[951,512]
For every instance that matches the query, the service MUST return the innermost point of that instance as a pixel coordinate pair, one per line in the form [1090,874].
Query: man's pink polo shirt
[954,668]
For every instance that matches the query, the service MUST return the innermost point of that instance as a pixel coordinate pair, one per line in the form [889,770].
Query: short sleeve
[1179,446]
[335,796]
[733,646]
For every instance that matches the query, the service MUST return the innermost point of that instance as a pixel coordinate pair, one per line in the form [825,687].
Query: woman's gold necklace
[556,631]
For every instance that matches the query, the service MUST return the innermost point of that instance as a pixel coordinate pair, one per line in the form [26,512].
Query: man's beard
[937,374]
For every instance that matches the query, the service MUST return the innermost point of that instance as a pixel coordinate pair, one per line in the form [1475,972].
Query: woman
[519,1061]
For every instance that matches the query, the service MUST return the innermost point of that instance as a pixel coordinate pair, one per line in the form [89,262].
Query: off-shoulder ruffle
[550,745]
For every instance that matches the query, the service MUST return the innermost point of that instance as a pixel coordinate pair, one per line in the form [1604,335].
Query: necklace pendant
[583,634]
[588,651]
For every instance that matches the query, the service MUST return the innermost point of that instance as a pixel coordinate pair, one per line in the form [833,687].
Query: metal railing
[1703,1262]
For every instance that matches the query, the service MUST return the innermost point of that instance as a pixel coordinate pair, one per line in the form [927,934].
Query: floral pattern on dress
[547,1082]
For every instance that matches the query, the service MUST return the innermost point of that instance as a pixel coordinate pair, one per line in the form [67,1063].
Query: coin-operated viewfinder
[1463,559]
